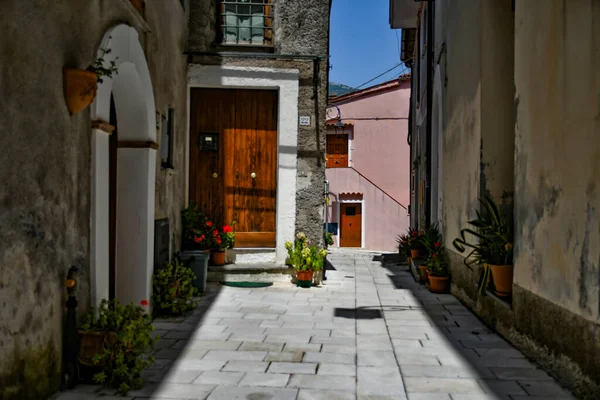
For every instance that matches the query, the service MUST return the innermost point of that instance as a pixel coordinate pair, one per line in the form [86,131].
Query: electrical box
[209,141]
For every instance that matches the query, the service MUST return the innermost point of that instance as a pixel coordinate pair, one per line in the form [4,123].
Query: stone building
[103,189]
[505,103]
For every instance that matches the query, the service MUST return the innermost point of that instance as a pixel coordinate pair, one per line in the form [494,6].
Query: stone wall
[542,145]
[45,173]
[301,27]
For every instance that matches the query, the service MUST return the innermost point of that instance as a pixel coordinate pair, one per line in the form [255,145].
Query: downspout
[430,43]
[409,138]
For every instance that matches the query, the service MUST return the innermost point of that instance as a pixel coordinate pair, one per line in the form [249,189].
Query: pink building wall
[378,151]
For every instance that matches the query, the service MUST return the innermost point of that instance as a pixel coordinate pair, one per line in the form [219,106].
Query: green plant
[130,341]
[437,264]
[494,236]
[303,256]
[414,238]
[226,238]
[98,67]
[197,229]
[172,289]
[432,238]
[403,241]
[328,238]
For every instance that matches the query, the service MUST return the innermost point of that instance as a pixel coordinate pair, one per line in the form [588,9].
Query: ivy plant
[100,70]
[129,342]
[172,289]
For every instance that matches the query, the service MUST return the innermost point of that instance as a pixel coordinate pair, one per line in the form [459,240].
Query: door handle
[215,175]
[253,175]
[237,174]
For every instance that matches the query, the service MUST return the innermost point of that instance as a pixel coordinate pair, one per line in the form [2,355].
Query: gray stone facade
[45,194]
[301,28]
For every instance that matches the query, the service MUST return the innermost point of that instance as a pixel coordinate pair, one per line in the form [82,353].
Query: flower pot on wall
[502,276]
[439,284]
[80,88]
[304,279]
[218,257]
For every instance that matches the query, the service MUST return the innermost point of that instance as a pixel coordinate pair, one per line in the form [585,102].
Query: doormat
[247,284]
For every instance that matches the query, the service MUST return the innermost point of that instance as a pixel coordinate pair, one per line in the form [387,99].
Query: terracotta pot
[304,278]
[417,253]
[218,257]
[439,284]
[92,344]
[503,279]
[424,273]
[80,88]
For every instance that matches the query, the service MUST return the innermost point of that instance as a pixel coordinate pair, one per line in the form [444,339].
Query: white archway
[133,96]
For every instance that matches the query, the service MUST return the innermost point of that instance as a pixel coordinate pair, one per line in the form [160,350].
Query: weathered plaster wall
[45,173]
[460,29]
[301,27]
[557,164]
[497,98]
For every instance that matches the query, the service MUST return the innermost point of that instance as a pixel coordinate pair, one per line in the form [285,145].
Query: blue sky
[362,45]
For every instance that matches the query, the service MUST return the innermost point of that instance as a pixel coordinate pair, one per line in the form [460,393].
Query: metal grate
[246,22]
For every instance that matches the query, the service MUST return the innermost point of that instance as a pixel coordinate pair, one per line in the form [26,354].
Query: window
[166,139]
[246,22]
[337,151]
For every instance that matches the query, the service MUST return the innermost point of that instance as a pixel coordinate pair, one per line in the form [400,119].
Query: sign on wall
[305,120]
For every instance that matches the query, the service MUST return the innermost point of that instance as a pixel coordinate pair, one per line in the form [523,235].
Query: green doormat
[247,284]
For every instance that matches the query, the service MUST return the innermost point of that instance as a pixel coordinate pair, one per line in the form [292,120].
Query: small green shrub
[128,345]
[303,256]
[172,289]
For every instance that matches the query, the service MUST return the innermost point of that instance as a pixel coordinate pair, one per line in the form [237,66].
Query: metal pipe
[326,223]
[430,43]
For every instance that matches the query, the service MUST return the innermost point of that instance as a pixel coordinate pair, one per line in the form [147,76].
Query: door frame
[362,220]
[286,82]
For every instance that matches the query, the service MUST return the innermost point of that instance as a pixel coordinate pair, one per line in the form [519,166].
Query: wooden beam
[137,144]
[103,126]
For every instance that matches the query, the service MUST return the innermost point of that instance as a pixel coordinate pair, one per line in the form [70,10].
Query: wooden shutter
[337,151]
[268,40]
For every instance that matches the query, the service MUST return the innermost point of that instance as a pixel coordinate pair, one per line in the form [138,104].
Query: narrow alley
[370,332]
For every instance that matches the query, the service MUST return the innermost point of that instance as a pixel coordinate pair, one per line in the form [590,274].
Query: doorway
[351,224]
[233,161]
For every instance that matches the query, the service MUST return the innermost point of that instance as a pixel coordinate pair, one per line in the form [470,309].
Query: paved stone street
[370,332]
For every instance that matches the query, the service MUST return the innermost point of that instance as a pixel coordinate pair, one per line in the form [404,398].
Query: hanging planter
[80,88]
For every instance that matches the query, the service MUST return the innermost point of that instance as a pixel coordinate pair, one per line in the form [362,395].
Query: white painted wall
[286,82]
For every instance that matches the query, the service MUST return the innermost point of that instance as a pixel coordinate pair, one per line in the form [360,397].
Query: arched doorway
[122,230]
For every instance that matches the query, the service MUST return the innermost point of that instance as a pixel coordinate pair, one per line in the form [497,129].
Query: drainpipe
[430,43]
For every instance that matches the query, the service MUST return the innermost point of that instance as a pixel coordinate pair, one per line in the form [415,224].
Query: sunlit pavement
[370,332]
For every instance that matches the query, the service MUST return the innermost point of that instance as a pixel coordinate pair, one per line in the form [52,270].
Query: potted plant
[122,342]
[431,241]
[305,259]
[197,242]
[438,271]
[493,249]
[173,289]
[328,238]
[80,85]
[223,240]
[417,249]
[404,246]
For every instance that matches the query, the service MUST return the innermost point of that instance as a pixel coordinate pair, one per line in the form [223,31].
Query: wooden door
[351,225]
[244,187]
[337,151]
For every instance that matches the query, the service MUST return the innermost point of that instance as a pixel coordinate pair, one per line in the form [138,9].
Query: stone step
[250,272]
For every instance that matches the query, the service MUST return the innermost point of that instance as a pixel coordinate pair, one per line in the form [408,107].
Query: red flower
[434,255]
[144,303]
[209,224]
[421,232]
[218,240]
[215,233]
[413,233]
[197,239]
[437,244]
[227,229]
